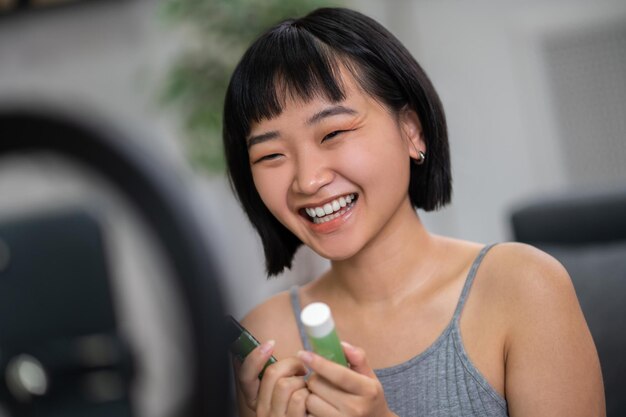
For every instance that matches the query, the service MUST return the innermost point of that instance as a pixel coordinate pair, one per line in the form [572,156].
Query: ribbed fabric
[439,382]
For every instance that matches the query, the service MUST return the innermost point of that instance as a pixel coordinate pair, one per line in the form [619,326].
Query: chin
[335,254]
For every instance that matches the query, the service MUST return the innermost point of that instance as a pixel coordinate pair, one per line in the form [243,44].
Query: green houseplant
[216,33]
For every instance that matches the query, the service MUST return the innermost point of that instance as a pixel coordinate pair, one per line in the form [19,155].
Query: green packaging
[241,342]
[320,328]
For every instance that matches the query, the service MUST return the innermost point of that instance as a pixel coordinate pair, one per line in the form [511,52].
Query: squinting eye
[268,157]
[333,134]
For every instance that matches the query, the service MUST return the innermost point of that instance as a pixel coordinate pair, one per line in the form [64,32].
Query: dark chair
[586,232]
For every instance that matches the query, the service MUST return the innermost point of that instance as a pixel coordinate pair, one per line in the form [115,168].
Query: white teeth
[330,210]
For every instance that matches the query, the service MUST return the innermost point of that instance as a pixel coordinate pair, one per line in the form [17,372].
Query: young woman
[334,136]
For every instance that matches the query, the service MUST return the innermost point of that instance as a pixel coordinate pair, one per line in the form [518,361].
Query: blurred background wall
[535,94]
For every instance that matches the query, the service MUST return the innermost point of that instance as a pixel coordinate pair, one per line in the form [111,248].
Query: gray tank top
[441,381]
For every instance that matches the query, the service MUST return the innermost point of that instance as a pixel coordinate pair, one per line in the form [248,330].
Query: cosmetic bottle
[320,328]
[241,342]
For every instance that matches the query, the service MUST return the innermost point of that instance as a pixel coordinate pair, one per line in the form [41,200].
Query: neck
[391,267]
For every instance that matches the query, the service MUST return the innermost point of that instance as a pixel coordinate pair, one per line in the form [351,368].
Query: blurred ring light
[163,284]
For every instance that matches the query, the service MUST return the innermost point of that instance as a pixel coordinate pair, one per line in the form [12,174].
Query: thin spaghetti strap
[295,304]
[469,280]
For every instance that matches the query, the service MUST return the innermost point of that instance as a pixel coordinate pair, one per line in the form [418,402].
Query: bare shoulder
[522,259]
[274,319]
[548,348]
[519,290]
[526,276]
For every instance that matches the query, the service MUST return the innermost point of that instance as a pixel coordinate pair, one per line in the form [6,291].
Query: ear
[412,132]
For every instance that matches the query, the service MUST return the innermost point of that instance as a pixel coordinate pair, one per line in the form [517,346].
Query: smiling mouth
[330,210]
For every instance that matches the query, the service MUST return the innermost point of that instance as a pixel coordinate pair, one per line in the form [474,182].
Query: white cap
[317,320]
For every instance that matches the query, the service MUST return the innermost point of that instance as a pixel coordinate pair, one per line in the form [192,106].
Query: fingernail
[267,346]
[305,356]
[347,345]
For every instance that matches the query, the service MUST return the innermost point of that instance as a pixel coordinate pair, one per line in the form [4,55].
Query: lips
[330,210]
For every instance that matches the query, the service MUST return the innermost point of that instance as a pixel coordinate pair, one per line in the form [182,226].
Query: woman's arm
[552,367]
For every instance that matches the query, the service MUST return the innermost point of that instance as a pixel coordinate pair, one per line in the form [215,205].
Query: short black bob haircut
[302,58]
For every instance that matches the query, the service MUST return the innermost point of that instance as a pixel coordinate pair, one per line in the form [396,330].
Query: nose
[312,172]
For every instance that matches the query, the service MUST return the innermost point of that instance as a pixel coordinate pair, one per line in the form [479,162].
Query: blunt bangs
[283,76]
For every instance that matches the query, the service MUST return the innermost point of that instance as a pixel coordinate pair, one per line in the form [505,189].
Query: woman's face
[335,174]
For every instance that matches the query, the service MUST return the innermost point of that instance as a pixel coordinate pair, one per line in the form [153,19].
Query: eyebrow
[330,111]
[316,118]
[253,140]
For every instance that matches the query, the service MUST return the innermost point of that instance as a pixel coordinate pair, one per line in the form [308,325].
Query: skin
[522,326]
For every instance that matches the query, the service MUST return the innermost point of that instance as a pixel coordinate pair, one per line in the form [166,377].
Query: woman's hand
[281,392]
[337,391]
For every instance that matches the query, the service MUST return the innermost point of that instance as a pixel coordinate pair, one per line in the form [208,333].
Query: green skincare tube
[320,328]
[241,342]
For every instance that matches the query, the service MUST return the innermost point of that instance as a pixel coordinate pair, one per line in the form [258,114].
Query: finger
[357,359]
[332,394]
[338,375]
[249,370]
[317,406]
[283,390]
[281,369]
[297,403]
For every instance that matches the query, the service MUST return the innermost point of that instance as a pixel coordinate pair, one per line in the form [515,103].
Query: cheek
[379,162]
[271,189]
